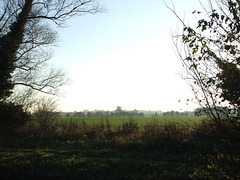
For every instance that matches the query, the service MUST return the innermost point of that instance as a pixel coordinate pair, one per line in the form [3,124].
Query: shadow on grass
[80,151]
[75,159]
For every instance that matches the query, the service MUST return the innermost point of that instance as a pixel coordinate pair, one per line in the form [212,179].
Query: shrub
[45,114]
[12,117]
[129,127]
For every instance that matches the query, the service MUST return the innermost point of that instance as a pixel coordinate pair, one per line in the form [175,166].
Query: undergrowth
[76,150]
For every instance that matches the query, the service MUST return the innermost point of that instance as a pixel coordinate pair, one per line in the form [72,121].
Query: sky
[124,57]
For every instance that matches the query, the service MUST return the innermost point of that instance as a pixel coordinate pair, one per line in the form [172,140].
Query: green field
[115,148]
[71,150]
[141,121]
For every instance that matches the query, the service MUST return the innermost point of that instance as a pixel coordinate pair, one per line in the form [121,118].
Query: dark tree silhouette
[25,39]
[210,55]
[9,45]
[26,36]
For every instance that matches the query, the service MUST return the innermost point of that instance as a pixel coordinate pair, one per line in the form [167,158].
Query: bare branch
[173,10]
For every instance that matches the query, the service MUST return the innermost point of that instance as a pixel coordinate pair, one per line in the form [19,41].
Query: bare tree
[31,46]
[45,112]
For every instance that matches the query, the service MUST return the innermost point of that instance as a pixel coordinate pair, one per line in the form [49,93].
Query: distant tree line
[177,113]
[220,111]
[119,112]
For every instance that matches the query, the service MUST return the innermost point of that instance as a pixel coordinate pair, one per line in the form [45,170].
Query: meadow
[141,121]
[112,148]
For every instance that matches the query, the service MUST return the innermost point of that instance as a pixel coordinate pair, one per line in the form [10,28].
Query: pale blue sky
[124,57]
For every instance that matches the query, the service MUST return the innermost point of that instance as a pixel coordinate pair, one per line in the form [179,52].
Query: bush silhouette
[12,117]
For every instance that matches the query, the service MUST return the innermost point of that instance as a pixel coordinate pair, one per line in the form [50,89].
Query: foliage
[220,159]
[12,117]
[9,45]
[210,55]
[77,149]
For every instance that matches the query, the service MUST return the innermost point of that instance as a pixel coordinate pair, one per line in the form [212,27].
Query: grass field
[113,148]
[141,121]
[71,160]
